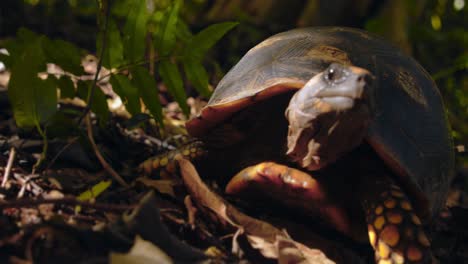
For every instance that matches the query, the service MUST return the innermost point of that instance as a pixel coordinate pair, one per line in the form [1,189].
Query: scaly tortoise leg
[292,188]
[165,164]
[395,231]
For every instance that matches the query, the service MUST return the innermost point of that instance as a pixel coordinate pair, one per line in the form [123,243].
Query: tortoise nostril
[364,78]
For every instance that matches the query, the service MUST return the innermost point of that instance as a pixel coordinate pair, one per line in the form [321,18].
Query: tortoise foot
[165,165]
[395,231]
[291,188]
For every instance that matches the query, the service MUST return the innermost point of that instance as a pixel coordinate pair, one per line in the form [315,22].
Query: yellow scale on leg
[164,165]
[395,232]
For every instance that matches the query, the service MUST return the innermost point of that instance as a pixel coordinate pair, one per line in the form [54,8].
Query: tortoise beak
[329,116]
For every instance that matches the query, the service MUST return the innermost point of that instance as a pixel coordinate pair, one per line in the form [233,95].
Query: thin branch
[101,159]
[99,65]
[89,100]
[128,66]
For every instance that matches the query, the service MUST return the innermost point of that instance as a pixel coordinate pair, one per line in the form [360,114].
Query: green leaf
[98,103]
[205,39]
[166,36]
[183,31]
[16,47]
[64,54]
[127,92]
[26,36]
[113,52]
[34,100]
[198,76]
[147,89]
[195,50]
[10,45]
[95,191]
[134,33]
[92,193]
[171,77]
[66,86]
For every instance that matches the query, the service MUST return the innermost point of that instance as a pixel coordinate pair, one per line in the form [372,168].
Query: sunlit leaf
[205,39]
[171,77]
[197,75]
[113,52]
[134,33]
[147,89]
[127,92]
[33,100]
[95,191]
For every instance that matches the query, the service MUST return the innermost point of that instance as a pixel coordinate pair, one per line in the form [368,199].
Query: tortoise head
[329,116]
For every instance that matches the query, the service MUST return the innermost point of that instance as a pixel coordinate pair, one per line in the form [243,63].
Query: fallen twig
[11,158]
[65,201]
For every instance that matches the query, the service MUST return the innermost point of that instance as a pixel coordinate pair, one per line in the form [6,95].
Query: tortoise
[306,103]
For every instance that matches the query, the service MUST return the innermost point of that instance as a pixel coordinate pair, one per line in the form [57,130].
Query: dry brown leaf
[191,211]
[261,235]
[291,252]
[202,195]
[163,186]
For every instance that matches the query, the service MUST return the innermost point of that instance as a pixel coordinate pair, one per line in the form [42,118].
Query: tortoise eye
[335,73]
[331,74]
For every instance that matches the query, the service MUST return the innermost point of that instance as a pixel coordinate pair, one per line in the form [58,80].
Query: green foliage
[34,100]
[113,54]
[65,54]
[128,93]
[98,103]
[95,191]
[134,32]
[166,33]
[146,86]
[66,86]
[197,75]
[174,46]
[125,42]
[172,78]
[196,48]
[199,44]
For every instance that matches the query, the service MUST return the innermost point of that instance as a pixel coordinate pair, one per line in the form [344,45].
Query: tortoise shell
[409,128]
